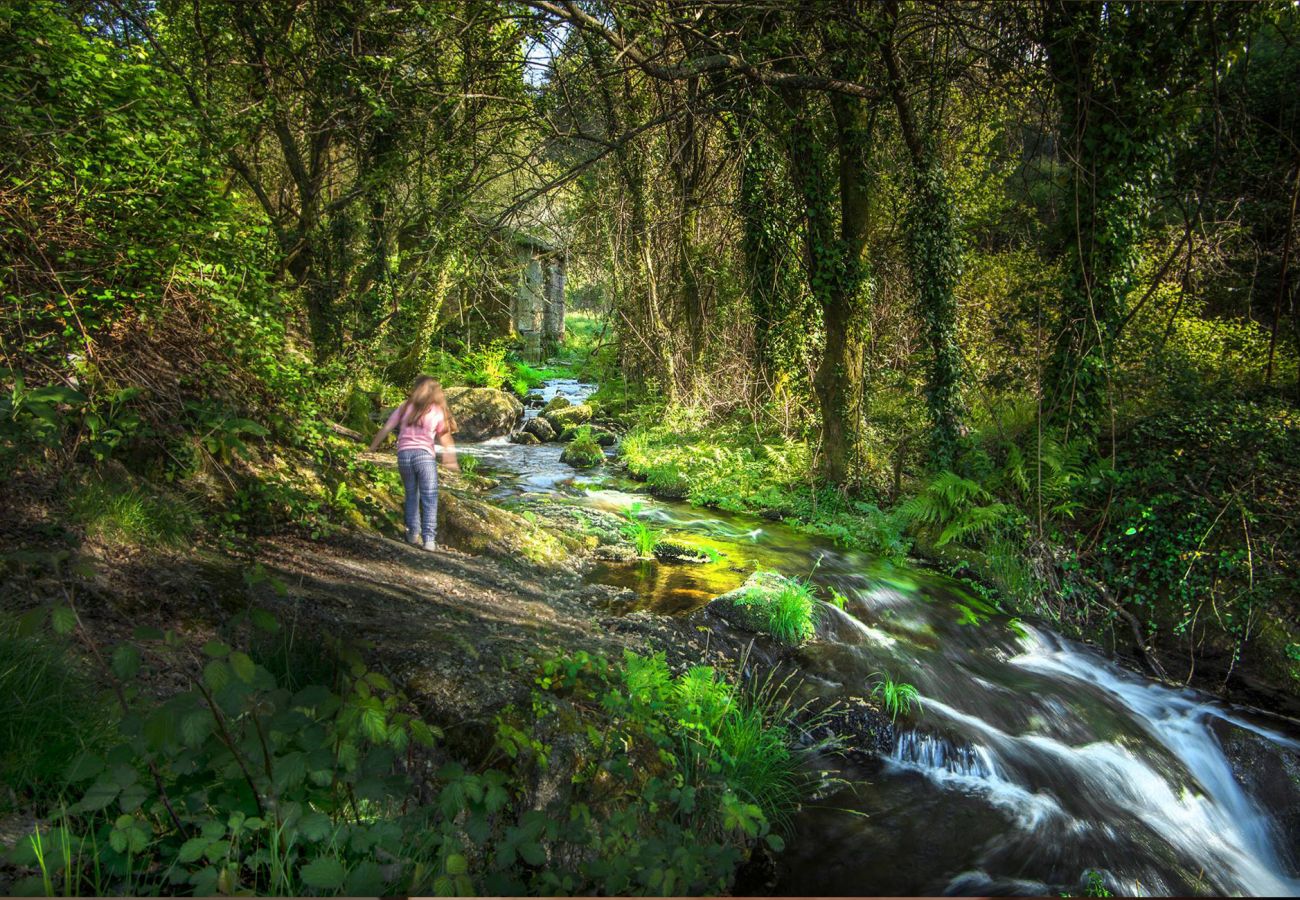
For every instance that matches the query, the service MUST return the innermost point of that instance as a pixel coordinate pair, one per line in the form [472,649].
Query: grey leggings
[419,471]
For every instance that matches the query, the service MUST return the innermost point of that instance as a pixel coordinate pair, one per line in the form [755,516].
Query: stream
[1034,759]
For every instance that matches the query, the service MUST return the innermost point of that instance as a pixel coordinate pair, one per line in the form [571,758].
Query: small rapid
[1032,760]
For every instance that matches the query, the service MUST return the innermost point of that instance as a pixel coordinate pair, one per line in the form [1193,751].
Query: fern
[951,508]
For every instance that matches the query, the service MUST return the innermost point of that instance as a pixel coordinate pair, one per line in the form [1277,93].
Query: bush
[244,782]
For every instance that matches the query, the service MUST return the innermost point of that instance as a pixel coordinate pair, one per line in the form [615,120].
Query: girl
[421,419]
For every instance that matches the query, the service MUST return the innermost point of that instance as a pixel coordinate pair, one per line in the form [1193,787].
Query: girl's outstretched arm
[448,451]
[386,430]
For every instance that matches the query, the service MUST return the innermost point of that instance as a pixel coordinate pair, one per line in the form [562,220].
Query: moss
[583,452]
[569,416]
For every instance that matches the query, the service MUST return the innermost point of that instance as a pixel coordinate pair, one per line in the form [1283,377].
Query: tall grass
[123,514]
[787,611]
[730,738]
[642,535]
[51,711]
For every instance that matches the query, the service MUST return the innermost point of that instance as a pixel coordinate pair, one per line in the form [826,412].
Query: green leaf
[776,842]
[532,853]
[126,661]
[216,675]
[63,619]
[326,873]
[457,864]
[100,794]
[315,826]
[192,850]
[84,767]
[216,649]
[244,666]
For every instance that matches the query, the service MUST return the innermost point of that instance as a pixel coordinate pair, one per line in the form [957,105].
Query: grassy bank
[1169,551]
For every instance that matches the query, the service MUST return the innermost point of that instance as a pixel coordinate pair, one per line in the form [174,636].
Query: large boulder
[524,437]
[558,402]
[540,429]
[483,413]
[569,416]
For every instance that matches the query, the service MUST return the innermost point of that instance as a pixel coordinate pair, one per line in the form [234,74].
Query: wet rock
[676,551]
[557,403]
[540,428]
[524,437]
[534,399]
[483,413]
[561,419]
[606,527]
[616,553]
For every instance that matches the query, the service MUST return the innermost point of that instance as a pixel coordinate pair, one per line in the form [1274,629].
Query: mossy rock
[557,403]
[540,428]
[675,551]
[561,419]
[534,398]
[748,606]
[483,413]
[583,453]
[524,437]
[477,527]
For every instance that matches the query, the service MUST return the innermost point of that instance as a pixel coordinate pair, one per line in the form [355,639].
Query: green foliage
[52,711]
[951,508]
[583,451]
[681,455]
[785,609]
[117,513]
[641,534]
[1096,886]
[681,772]
[896,696]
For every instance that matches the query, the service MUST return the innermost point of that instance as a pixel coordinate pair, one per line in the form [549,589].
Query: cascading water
[1032,761]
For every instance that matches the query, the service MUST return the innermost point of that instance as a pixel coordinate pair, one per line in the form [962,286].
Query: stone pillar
[553,320]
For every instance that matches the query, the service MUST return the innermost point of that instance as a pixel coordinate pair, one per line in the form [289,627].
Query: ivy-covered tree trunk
[934,255]
[837,275]
[1107,150]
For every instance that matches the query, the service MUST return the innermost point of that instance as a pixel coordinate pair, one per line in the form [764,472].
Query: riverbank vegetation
[1009,287]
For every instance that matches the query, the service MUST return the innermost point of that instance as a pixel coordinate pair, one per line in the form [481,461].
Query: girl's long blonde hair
[426,393]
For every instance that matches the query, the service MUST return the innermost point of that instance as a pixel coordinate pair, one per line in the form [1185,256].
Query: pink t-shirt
[418,435]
